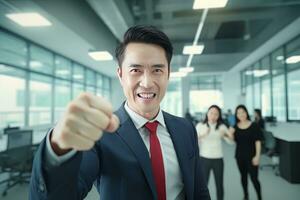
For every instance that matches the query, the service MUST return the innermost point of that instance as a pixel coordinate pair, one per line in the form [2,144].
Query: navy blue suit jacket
[119,166]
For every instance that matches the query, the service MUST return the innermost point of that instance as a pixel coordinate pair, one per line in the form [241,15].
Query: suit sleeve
[72,179]
[200,190]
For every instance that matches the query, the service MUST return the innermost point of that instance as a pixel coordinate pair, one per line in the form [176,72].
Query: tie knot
[152,126]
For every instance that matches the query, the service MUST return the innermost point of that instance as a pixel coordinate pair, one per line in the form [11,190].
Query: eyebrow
[155,65]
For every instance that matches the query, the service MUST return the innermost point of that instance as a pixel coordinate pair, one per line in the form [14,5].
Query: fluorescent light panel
[178,74]
[100,55]
[63,72]
[186,69]
[193,49]
[293,59]
[202,4]
[258,73]
[29,19]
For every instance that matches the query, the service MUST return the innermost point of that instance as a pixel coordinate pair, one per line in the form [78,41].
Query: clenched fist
[83,124]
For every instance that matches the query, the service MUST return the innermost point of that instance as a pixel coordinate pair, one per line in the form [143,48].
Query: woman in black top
[247,136]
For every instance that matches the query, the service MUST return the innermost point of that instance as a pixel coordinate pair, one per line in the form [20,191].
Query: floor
[273,187]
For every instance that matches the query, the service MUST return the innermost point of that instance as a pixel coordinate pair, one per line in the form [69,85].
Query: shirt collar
[140,121]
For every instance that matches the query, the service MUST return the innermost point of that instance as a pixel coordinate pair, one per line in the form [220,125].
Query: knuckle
[84,96]
[73,107]
[70,121]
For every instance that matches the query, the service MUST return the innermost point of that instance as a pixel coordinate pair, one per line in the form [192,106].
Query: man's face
[144,77]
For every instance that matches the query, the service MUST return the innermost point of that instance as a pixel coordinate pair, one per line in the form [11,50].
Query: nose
[146,80]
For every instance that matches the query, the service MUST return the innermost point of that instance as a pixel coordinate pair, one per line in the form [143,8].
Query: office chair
[269,148]
[17,159]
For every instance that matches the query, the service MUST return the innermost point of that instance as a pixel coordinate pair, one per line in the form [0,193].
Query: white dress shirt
[211,145]
[174,183]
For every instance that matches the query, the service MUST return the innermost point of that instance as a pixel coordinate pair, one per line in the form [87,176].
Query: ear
[120,74]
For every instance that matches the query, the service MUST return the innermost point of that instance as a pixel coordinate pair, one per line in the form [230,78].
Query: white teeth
[146,95]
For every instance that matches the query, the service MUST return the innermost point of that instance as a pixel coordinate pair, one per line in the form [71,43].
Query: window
[256,81]
[12,50]
[293,67]
[40,99]
[99,85]
[78,73]
[90,77]
[77,89]
[279,107]
[172,102]
[41,60]
[62,97]
[90,81]
[106,88]
[52,79]
[204,92]
[12,97]
[62,68]
[249,89]
[265,76]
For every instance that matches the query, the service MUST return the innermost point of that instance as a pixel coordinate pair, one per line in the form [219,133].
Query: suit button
[42,187]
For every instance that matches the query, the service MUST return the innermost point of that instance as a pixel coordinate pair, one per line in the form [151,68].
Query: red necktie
[157,161]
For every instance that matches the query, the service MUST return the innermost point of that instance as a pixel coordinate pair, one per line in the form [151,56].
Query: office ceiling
[229,34]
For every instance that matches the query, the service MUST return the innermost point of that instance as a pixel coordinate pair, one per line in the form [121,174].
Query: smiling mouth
[148,95]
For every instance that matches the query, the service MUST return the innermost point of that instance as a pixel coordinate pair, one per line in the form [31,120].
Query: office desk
[288,136]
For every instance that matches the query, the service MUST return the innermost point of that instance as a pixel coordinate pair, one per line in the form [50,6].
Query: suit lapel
[179,141]
[132,138]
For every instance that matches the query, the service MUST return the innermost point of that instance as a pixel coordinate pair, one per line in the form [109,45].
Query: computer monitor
[19,138]
[9,129]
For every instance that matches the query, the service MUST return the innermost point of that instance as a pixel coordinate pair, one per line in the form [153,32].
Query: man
[148,154]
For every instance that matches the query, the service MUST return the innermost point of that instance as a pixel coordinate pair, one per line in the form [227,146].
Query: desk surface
[38,136]
[286,131]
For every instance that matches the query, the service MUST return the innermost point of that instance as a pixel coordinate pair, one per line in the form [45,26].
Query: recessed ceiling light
[100,55]
[193,49]
[29,19]
[202,4]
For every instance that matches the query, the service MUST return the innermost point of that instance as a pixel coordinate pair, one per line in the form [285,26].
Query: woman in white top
[210,134]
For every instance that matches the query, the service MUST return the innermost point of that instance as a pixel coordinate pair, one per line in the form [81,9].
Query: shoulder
[254,125]
[179,123]
[176,119]
[223,126]
[200,125]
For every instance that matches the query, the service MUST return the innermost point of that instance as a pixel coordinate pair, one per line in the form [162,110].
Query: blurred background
[228,53]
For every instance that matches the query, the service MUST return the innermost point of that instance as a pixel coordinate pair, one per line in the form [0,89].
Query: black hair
[245,109]
[219,120]
[260,122]
[145,34]
[258,111]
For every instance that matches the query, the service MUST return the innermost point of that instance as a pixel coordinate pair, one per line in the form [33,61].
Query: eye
[158,70]
[134,70]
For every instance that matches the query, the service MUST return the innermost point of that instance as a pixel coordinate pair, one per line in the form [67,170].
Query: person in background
[230,118]
[259,119]
[247,136]
[210,134]
[188,116]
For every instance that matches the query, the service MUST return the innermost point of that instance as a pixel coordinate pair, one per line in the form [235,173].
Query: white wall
[232,90]
[117,94]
